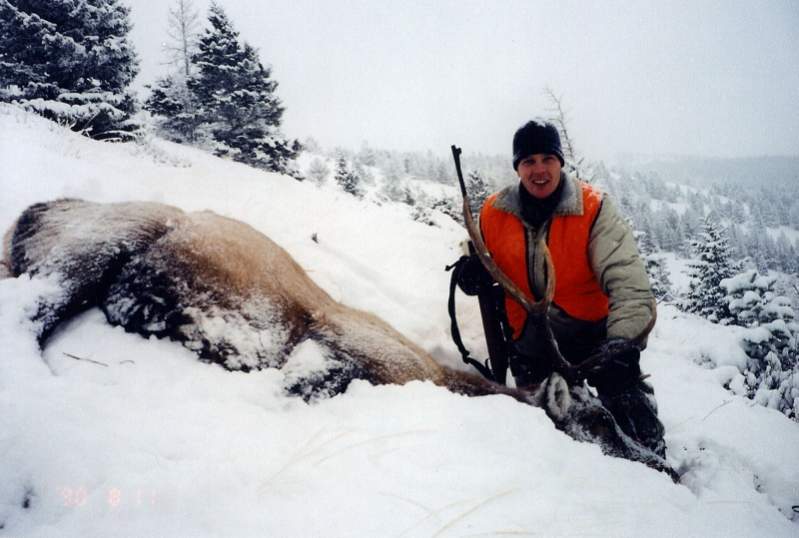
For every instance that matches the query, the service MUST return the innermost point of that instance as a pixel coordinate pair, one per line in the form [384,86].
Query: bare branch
[560,118]
[182,30]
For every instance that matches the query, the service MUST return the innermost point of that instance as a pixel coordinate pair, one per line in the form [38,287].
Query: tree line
[72,61]
[755,218]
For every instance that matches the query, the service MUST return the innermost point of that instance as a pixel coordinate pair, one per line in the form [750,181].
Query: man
[602,298]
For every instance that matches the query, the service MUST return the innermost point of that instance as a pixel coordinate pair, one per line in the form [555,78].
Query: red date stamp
[75,497]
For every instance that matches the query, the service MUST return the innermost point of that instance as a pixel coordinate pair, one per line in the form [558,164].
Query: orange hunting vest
[577,291]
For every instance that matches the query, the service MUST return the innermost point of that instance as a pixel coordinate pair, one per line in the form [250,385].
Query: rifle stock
[491,315]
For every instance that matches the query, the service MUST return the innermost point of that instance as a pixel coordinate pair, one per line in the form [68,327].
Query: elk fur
[217,285]
[236,298]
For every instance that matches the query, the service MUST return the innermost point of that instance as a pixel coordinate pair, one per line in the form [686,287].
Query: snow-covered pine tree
[421,212]
[478,191]
[174,109]
[655,267]
[408,197]
[70,61]
[705,295]
[346,178]
[771,376]
[236,95]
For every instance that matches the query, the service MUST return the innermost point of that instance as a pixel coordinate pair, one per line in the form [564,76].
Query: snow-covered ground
[106,433]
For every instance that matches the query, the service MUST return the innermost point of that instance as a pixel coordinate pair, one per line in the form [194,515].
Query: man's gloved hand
[472,277]
[618,368]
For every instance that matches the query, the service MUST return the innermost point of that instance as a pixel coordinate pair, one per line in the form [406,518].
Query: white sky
[714,78]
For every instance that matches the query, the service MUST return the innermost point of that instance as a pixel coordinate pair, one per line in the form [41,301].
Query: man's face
[540,174]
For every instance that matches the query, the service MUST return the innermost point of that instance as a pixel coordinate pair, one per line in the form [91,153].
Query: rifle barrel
[456,154]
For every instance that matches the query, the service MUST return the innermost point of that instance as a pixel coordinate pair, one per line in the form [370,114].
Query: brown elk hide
[215,284]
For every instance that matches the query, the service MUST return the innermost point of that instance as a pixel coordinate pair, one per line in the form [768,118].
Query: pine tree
[407,196]
[705,296]
[421,212]
[174,108]
[236,95]
[70,61]
[478,191]
[771,376]
[655,267]
[346,177]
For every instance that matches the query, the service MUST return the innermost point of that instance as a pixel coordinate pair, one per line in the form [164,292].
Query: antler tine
[561,364]
[544,303]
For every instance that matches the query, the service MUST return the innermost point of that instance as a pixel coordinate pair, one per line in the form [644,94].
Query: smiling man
[602,300]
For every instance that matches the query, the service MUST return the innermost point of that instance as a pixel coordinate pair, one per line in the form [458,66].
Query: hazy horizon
[709,79]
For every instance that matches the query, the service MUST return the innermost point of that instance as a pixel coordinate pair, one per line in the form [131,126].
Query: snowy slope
[148,441]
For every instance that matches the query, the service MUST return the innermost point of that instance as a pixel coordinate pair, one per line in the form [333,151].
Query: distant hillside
[704,170]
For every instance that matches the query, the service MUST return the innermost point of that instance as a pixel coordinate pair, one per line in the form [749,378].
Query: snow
[108,433]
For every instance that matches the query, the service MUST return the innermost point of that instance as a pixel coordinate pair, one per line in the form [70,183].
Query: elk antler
[538,310]
[493,269]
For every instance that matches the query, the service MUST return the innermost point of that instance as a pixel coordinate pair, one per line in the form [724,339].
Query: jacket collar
[571,199]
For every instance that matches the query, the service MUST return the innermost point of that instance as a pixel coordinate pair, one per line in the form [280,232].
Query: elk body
[234,297]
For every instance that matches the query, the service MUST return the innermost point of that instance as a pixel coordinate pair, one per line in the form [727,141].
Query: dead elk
[236,298]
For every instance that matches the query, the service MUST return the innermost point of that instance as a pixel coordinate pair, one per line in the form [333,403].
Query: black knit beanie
[536,136]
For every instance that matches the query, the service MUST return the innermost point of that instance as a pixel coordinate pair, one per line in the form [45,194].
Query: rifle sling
[483,368]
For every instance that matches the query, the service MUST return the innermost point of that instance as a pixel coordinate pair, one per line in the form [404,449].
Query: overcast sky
[713,78]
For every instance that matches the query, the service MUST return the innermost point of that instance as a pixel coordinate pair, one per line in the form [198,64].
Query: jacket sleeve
[620,270]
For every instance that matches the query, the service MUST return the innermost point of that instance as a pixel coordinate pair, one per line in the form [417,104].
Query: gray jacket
[613,255]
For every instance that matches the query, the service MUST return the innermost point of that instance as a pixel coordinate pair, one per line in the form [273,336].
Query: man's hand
[618,367]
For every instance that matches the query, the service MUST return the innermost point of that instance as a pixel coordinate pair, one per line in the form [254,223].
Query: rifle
[490,305]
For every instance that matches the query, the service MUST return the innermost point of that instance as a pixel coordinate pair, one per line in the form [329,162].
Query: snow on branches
[705,296]
[771,376]
[225,100]
[70,61]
